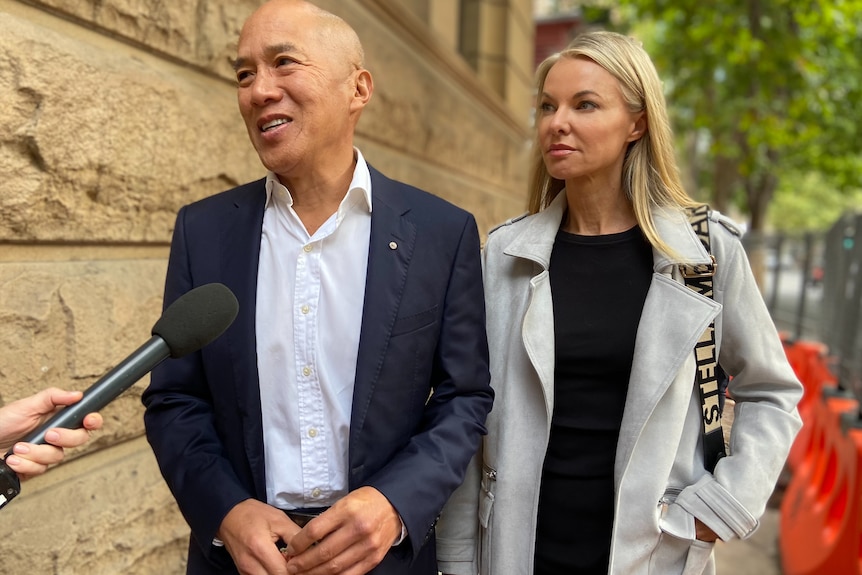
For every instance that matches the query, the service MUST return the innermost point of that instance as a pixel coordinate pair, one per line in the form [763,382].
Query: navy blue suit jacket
[423,331]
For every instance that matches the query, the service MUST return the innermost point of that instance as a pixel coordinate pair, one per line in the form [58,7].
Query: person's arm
[20,417]
[181,421]
[729,503]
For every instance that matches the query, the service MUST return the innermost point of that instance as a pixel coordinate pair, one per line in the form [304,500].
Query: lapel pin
[393,246]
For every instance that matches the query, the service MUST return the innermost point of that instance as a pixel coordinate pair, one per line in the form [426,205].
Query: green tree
[808,201]
[763,90]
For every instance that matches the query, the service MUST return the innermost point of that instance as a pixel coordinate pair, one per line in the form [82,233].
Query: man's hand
[249,532]
[704,533]
[350,538]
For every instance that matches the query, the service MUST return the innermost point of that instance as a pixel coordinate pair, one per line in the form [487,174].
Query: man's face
[295,93]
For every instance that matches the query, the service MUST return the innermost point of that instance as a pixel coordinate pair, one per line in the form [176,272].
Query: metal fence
[812,285]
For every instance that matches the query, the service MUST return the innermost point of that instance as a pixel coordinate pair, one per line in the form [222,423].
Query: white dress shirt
[310,294]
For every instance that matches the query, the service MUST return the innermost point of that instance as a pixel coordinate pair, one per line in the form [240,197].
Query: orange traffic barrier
[809,362]
[820,526]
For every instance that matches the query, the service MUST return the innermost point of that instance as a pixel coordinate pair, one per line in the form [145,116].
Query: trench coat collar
[536,241]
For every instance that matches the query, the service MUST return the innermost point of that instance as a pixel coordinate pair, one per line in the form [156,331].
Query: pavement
[757,555]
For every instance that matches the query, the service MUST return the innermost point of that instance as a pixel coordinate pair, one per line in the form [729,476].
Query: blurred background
[115,113]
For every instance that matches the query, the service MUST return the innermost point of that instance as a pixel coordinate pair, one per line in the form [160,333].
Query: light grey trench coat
[488,526]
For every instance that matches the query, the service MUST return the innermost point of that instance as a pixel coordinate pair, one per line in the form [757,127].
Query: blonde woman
[594,459]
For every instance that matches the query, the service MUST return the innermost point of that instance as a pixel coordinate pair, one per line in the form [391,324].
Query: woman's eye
[545,107]
[586,106]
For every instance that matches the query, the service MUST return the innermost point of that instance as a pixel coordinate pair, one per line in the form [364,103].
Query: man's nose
[264,88]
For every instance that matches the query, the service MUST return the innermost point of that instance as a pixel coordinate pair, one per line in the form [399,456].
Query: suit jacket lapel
[392,239]
[239,252]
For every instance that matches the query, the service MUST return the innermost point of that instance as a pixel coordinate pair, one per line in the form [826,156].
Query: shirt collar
[360,184]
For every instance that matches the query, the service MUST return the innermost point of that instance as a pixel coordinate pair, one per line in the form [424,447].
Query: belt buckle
[301,518]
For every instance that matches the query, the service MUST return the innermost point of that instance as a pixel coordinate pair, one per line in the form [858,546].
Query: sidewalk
[757,555]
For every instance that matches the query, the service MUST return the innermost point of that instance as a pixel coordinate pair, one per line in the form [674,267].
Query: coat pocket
[414,322]
[677,550]
[486,508]
[673,555]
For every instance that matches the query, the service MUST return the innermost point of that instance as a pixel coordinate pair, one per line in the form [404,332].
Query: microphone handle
[115,382]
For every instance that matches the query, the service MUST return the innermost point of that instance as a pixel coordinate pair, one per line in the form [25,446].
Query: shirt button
[307,248]
[315,492]
[312,433]
[306,371]
[304,309]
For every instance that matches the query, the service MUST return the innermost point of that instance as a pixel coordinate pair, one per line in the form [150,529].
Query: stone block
[104,514]
[102,142]
[66,324]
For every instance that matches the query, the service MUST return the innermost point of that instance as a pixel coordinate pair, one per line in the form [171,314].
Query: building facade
[114,114]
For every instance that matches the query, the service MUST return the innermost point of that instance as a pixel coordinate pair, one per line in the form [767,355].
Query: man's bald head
[335,35]
[301,88]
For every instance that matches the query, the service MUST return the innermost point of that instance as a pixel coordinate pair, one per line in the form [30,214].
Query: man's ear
[363,88]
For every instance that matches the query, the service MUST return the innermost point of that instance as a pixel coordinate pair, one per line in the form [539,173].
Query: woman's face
[584,125]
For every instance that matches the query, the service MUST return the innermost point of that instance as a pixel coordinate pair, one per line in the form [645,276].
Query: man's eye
[284,61]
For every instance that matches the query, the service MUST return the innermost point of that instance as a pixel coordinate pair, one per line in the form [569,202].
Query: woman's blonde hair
[650,174]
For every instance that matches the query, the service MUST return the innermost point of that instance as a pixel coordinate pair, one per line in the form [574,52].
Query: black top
[598,286]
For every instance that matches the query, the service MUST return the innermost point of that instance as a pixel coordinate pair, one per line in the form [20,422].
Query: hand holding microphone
[191,322]
[25,415]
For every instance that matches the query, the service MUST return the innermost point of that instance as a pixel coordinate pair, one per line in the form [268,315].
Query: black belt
[303,515]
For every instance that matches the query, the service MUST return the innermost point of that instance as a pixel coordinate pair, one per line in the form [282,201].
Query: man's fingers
[334,545]
[250,531]
[356,559]
[260,557]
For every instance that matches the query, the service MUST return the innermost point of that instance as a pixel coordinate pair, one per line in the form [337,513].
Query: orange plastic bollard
[809,362]
[819,526]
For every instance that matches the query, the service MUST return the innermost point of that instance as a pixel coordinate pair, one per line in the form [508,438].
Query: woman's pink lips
[557,151]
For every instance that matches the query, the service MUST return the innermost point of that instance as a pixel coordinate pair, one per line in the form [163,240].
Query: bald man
[325,430]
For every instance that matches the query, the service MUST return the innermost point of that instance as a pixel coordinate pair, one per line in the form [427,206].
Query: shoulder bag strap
[708,376]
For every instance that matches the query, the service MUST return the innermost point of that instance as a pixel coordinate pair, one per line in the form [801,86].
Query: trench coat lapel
[672,321]
[535,243]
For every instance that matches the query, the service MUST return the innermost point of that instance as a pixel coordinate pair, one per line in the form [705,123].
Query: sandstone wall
[113,114]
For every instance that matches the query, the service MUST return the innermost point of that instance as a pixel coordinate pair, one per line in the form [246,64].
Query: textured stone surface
[106,513]
[99,142]
[65,324]
[113,114]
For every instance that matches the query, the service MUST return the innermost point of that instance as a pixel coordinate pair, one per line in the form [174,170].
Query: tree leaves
[769,89]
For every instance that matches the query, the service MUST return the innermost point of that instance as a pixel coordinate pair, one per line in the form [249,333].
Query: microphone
[195,319]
